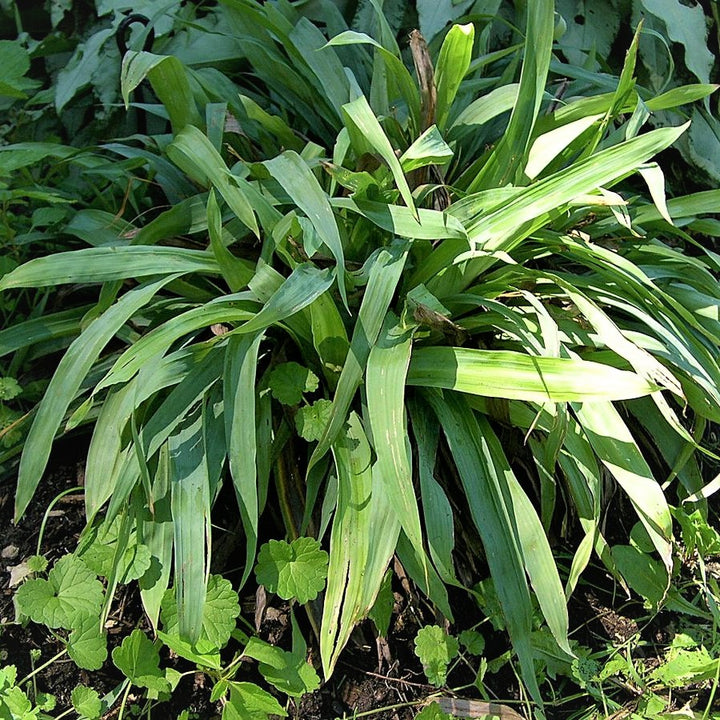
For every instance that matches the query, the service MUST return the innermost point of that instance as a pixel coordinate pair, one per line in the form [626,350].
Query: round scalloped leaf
[87,645]
[433,711]
[436,649]
[86,702]
[473,642]
[138,659]
[37,563]
[289,381]
[311,420]
[220,611]
[9,388]
[292,570]
[247,701]
[72,591]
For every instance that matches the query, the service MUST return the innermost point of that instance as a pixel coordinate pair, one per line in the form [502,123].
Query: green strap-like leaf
[385,274]
[157,534]
[192,152]
[385,375]
[105,454]
[236,272]
[399,220]
[104,264]
[437,511]
[296,178]
[535,549]
[359,118]
[615,446]
[483,484]
[509,155]
[170,82]
[451,67]
[156,343]
[513,375]
[52,326]
[364,534]
[190,503]
[170,415]
[390,68]
[66,381]
[239,409]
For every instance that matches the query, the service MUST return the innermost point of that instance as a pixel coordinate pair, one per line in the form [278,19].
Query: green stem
[124,700]
[711,699]
[47,513]
[18,19]
[36,670]
[281,476]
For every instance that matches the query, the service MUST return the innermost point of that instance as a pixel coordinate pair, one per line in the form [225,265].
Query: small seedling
[436,649]
[311,420]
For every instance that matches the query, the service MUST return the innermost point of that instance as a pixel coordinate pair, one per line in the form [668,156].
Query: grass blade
[104,264]
[296,178]
[365,131]
[63,387]
[53,326]
[615,446]
[158,535]
[190,503]
[482,483]
[364,534]
[399,220]
[437,511]
[239,401]
[169,79]
[451,67]
[105,457]
[385,274]
[193,152]
[535,549]
[509,155]
[385,374]
[513,375]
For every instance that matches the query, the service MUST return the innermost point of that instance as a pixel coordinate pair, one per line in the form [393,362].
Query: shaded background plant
[380,302]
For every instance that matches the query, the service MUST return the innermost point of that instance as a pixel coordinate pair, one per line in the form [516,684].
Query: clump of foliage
[388,304]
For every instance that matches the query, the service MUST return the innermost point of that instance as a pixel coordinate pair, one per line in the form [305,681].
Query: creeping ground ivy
[293,570]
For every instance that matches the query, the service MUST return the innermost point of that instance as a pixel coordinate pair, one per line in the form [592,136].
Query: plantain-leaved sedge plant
[396,302]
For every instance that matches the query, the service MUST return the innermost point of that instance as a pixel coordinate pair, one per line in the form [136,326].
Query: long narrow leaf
[481,480]
[104,264]
[68,376]
[384,276]
[239,401]
[386,371]
[508,157]
[296,178]
[616,447]
[513,375]
[364,534]
[190,504]
[359,116]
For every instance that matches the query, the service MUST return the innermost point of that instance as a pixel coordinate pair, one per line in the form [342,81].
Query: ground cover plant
[418,313]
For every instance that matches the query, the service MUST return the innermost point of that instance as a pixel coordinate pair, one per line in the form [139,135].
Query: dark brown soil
[381,678]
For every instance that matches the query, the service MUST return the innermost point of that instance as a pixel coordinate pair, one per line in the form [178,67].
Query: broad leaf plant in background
[382,290]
